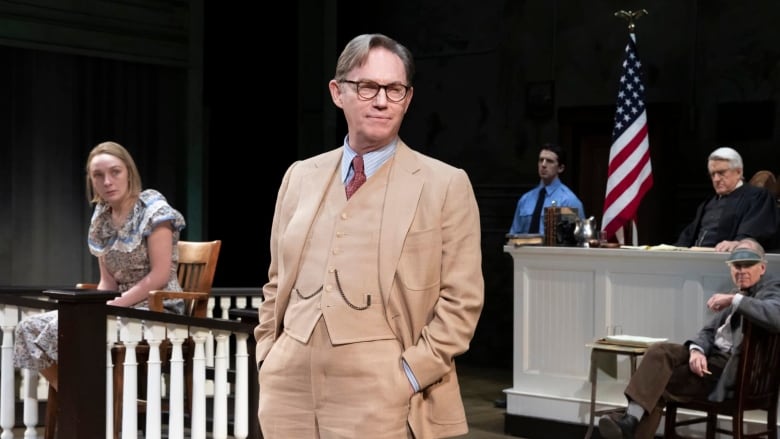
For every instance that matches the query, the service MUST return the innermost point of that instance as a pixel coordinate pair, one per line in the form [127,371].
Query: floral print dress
[125,256]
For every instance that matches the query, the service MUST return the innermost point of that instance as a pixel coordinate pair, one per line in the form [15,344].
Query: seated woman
[133,233]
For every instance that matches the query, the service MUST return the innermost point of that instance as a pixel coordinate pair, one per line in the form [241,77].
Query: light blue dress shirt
[558,195]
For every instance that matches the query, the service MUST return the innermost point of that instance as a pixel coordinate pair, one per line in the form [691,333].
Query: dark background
[250,95]
[495,79]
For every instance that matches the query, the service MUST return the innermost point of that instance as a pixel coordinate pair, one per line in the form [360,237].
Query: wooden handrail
[87,314]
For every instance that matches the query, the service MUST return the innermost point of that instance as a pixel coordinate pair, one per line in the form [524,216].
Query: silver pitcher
[584,231]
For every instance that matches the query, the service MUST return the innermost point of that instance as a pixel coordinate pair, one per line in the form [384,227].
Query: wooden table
[597,349]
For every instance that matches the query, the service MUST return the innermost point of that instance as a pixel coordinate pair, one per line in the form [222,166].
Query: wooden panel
[554,308]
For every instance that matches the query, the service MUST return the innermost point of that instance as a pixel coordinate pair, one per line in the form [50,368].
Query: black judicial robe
[750,212]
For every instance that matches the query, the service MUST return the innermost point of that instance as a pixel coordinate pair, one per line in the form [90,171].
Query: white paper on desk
[633,340]
[662,247]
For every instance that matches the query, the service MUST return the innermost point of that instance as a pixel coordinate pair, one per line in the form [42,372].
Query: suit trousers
[318,390]
[664,374]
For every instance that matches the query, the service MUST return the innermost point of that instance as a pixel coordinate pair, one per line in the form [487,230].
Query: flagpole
[629,171]
[631,17]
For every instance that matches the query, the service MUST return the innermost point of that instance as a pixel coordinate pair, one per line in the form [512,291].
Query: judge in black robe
[746,212]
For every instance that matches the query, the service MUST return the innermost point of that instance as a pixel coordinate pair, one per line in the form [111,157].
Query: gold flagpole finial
[631,17]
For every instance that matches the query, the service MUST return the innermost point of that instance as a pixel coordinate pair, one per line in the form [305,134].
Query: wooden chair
[196,269]
[756,388]
[765,179]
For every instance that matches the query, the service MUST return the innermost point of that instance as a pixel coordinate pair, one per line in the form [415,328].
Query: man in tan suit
[375,283]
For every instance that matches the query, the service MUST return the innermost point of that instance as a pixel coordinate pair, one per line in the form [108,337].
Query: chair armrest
[156,297]
[87,286]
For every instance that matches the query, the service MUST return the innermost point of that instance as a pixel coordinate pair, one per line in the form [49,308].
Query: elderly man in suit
[375,283]
[706,365]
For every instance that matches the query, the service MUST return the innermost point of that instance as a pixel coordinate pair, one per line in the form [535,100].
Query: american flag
[630,175]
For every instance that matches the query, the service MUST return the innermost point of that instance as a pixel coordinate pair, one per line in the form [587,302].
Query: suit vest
[338,278]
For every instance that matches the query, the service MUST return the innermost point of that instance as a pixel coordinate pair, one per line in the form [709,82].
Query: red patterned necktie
[359,178]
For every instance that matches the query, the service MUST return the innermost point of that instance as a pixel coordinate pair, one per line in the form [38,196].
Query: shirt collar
[372,161]
[552,186]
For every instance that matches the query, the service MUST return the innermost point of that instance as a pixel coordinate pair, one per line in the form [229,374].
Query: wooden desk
[566,297]
[597,349]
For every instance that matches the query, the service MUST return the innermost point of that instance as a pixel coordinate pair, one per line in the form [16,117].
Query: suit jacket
[751,212]
[762,307]
[430,273]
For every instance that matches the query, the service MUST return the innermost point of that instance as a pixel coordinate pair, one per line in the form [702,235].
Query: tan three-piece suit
[394,272]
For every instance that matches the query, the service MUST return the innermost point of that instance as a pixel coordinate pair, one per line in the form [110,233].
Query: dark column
[81,411]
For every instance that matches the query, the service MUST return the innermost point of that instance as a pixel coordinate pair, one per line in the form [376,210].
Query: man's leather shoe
[618,426]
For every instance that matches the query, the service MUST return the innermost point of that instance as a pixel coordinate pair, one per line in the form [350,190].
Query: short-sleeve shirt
[125,250]
[557,194]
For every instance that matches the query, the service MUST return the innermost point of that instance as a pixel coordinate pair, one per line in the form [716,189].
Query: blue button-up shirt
[558,195]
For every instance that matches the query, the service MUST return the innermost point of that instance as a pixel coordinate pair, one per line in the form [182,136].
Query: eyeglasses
[367,90]
[719,172]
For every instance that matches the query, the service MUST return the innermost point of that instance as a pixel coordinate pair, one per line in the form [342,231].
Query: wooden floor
[480,388]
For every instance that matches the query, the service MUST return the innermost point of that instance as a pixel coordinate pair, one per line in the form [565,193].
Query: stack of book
[519,239]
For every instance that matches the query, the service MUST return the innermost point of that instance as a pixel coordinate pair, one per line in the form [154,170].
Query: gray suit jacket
[762,307]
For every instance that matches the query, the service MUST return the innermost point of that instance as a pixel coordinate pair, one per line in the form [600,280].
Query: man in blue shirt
[552,161]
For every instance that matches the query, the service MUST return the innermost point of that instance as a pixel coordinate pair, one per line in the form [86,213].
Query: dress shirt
[372,161]
[724,336]
[558,194]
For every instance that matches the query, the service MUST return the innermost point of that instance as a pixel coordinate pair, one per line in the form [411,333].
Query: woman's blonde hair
[118,151]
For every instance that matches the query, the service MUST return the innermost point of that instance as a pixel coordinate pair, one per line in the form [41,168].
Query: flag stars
[630,98]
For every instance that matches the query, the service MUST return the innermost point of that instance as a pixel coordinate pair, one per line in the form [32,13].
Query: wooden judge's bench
[567,297]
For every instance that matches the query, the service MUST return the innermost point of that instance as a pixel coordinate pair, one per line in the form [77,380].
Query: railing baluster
[30,403]
[198,424]
[130,333]
[224,306]
[10,317]
[112,337]
[210,306]
[241,407]
[220,385]
[177,334]
[29,392]
[154,334]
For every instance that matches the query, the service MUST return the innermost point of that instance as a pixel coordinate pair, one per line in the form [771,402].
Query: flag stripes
[630,173]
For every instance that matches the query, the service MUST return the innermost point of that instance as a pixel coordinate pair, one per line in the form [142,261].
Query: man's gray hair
[727,154]
[356,52]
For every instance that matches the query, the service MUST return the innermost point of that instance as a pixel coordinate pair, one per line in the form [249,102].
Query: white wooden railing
[216,343]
